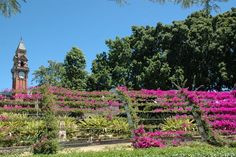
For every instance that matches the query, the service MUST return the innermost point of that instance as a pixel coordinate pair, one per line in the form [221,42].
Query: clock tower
[20,69]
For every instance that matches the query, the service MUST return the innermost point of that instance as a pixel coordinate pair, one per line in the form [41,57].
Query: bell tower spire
[20,68]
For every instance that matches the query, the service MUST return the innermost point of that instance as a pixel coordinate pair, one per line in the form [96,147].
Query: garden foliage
[178,123]
[48,137]
[151,108]
[95,126]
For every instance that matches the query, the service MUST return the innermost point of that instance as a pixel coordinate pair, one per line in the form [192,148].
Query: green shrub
[46,146]
[178,124]
[93,126]
[9,140]
[119,126]
[48,138]
[98,125]
[21,130]
[76,113]
[18,129]
[70,127]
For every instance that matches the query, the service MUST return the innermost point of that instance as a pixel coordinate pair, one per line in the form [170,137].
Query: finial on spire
[21,44]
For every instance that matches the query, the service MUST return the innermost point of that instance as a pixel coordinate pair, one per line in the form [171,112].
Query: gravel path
[101,147]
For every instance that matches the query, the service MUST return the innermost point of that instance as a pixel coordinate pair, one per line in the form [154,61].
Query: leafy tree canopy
[208,5]
[75,74]
[200,50]
[9,7]
[197,51]
[52,74]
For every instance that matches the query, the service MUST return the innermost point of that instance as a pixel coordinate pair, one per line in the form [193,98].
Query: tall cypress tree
[75,74]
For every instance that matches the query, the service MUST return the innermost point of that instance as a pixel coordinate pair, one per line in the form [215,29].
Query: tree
[225,48]
[203,46]
[157,73]
[100,79]
[75,74]
[199,50]
[53,74]
[9,7]
[208,5]
[143,43]
[70,74]
[119,61]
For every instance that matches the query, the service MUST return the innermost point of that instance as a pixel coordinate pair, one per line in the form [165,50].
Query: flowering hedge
[151,106]
[98,102]
[143,139]
[219,108]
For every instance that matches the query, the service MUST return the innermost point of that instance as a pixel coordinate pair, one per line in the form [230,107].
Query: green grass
[191,150]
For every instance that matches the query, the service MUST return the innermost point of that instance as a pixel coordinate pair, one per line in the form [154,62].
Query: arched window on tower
[22,64]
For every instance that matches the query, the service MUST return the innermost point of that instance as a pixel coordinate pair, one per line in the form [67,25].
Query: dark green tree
[188,46]
[100,79]
[190,53]
[224,40]
[178,77]
[157,73]
[9,7]
[75,74]
[119,59]
[143,43]
[200,47]
[53,74]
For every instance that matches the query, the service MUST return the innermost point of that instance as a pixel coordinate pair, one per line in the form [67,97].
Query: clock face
[21,75]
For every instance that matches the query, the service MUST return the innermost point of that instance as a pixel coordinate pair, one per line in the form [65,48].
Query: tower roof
[21,45]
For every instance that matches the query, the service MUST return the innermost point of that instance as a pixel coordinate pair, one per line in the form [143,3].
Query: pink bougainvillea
[143,139]
[219,108]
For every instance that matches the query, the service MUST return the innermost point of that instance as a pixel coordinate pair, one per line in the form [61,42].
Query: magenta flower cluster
[2,97]
[66,100]
[27,97]
[143,139]
[219,108]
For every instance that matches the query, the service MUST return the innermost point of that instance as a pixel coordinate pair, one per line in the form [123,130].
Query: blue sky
[50,28]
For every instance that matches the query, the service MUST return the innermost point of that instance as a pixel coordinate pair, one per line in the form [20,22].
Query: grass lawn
[190,150]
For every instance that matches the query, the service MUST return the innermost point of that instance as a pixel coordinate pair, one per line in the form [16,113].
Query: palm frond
[9,7]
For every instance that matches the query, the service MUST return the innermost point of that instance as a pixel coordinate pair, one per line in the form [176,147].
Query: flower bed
[219,108]
[143,139]
[151,108]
